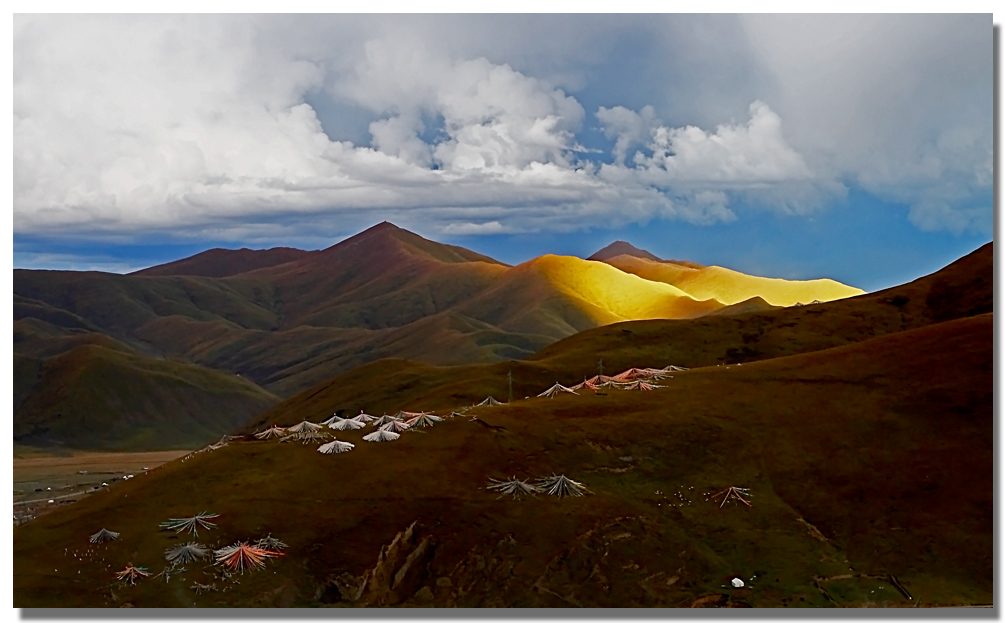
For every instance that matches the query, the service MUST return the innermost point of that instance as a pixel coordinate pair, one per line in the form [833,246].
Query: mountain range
[259,326]
[832,454]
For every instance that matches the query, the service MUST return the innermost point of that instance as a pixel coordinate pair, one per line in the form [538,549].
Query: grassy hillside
[729,286]
[864,462]
[288,319]
[92,397]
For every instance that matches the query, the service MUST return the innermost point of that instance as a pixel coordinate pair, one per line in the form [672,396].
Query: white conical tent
[384,419]
[335,447]
[186,553]
[406,415]
[363,418]
[561,486]
[381,435]
[270,433]
[555,390]
[103,535]
[334,418]
[303,427]
[341,424]
[489,402]
[423,420]
[513,486]
[638,386]
[395,426]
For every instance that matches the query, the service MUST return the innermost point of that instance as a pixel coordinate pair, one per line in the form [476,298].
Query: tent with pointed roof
[423,420]
[489,402]
[186,553]
[586,384]
[555,390]
[102,536]
[241,556]
[381,435]
[342,424]
[303,427]
[638,386]
[384,419]
[271,432]
[192,524]
[633,374]
[515,487]
[130,574]
[363,418]
[561,486]
[336,447]
[395,426]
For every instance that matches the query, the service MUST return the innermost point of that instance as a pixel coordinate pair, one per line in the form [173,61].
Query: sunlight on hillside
[624,295]
[730,287]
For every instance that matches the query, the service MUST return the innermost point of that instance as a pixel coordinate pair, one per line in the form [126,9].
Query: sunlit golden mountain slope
[730,287]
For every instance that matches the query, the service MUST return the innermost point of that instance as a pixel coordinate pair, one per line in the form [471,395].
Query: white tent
[308,436]
[341,424]
[363,418]
[335,447]
[103,535]
[561,486]
[384,419]
[269,433]
[555,390]
[395,426]
[638,386]
[423,420]
[513,486]
[381,435]
[489,402]
[303,427]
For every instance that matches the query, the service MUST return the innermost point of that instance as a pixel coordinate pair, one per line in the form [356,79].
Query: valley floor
[65,478]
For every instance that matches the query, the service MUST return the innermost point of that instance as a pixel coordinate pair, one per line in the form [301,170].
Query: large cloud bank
[263,127]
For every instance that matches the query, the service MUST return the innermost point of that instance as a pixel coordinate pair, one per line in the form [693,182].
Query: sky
[855,147]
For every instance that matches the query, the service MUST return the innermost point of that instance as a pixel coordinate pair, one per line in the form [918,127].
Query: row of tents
[389,428]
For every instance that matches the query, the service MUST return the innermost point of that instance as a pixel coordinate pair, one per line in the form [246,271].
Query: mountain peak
[620,247]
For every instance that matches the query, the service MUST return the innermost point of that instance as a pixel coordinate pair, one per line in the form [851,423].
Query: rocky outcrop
[401,571]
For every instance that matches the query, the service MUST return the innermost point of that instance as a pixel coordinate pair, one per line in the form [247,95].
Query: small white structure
[423,420]
[269,433]
[395,426]
[736,582]
[363,418]
[303,427]
[341,424]
[335,447]
[555,390]
[381,435]
[384,419]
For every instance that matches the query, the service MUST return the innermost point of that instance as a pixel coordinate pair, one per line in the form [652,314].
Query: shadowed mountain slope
[869,466]
[224,262]
[92,397]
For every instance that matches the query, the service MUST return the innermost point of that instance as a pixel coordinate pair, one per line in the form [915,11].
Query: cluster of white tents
[389,428]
